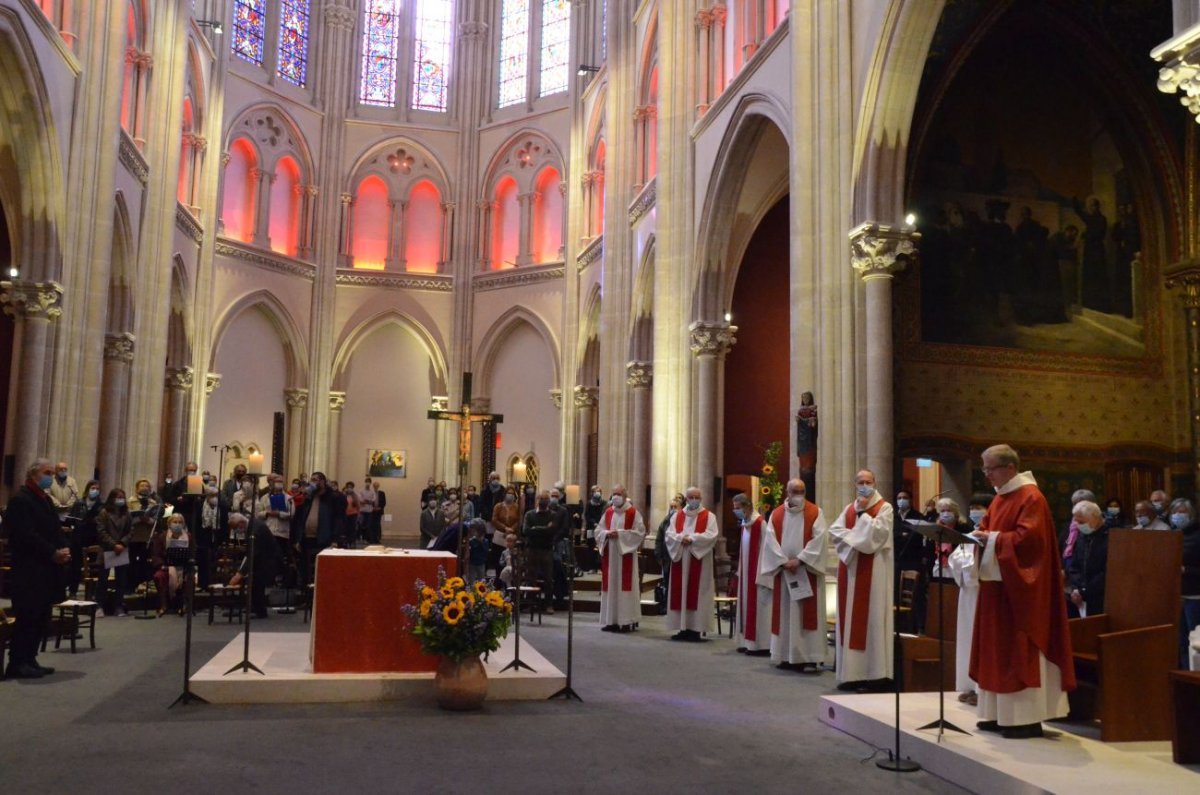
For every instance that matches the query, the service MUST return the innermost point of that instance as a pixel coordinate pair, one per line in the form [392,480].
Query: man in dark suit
[39,552]
[316,531]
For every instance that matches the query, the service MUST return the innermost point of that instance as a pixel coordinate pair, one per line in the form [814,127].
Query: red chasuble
[696,566]
[864,569]
[808,620]
[626,559]
[1025,614]
[749,606]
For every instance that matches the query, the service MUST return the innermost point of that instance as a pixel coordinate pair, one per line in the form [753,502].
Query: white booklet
[798,585]
[112,559]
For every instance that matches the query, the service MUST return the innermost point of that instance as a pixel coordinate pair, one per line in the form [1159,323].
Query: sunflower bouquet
[770,489]
[458,620]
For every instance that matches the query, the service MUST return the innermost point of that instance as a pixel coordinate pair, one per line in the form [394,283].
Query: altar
[357,624]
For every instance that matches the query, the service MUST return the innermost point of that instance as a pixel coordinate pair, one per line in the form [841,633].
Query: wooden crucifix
[464,417]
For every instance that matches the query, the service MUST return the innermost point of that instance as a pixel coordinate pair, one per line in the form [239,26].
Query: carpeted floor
[658,717]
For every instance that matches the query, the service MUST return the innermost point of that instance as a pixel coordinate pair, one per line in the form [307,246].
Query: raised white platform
[287,676]
[1060,762]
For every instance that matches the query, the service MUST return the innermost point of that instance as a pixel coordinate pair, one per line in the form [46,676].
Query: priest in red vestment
[619,535]
[754,601]
[1021,648]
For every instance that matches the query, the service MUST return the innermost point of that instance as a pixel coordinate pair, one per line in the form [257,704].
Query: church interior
[656,243]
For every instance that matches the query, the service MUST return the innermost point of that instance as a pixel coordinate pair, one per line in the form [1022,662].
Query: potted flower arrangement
[458,622]
[770,489]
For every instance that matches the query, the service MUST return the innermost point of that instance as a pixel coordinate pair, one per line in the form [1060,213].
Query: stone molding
[264,259]
[180,378]
[31,300]
[591,252]
[211,382]
[712,339]
[516,277]
[556,398]
[439,403]
[1187,276]
[188,224]
[435,282]
[644,201]
[339,17]
[119,347]
[881,251]
[133,160]
[337,401]
[296,398]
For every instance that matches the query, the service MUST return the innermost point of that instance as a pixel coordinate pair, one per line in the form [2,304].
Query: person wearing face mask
[537,531]
[427,492]
[1146,518]
[39,551]
[451,508]
[506,521]
[949,516]
[433,523]
[562,540]
[64,493]
[367,505]
[914,553]
[662,555]
[1069,534]
[619,536]
[174,540]
[245,499]
[350,526]
[690,539]
[1021,649]
[114,529]
[211,533]
[1114,514]
[493,494]
[82,524]
[1161,502]
[793,567]
[231,486]
[964,568]
[319,522]
[275,509]
[1089,565]
[592,512]
[754,600]
[1183,519]
[862,533]
[145,509]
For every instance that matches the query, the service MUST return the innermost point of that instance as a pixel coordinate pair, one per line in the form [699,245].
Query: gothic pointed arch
[353,338]
[295,349]
[522,156]
[274,135]
[492,341]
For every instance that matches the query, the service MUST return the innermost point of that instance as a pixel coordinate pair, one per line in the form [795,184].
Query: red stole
[626,559]
[809,607]
[749,606]
[864,567]
[695,567]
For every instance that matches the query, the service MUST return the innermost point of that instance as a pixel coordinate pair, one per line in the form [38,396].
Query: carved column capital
[639,375]
[211,382]
[296,398]
[704,19]
[31,300]
[712,339]
[347,199]
[199,142]
[878,251]
[473,29]
[337,401]
[586,397]
[180,378]
[719,15]
[556,398]
[339,17]
[1186,276]
[119,347]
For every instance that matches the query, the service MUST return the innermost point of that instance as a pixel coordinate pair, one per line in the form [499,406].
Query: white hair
[1086,509]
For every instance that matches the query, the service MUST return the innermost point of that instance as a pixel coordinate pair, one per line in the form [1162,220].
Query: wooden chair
[1124,655]
[92,571]
[70,618]
[230,599]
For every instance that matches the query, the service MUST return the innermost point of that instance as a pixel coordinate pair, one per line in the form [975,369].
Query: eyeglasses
[988,470]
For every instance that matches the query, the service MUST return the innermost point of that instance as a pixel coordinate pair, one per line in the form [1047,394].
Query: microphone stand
[894,762]
[567,691]
[189,576]
[941,724]
[517,663]
[245,666]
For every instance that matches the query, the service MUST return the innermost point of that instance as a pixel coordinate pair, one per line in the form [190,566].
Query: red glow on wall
[284,229]
[506,225]
[237,208]
[547,217]
[423,219]
[127,84]
[652,128]
[598,228]
[780,9]
[185,154]
[372,216]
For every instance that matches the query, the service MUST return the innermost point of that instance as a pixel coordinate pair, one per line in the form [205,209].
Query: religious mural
[1032,234]
[386,463]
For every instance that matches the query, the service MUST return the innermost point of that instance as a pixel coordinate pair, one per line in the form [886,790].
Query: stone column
[710,343]
[262,207]
[308,207]
[640,378]
[178,384]
[297,403]
[589,201]
[703,62]
[525,233]
[395,249]
[485,234]
[347,253]
[143,62]
[586,400]
[447,245]
[33,306]
[337,402]
[876,253]
[719,15]
[118,356]
[1187,276]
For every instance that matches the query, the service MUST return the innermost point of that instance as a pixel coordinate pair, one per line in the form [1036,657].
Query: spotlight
[14,273]
[215,24]
[910,219]
[728,316]
[585,69]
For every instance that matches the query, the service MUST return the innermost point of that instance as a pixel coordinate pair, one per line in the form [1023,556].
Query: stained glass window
[293,41]
[381,25]
[249,29]
[603,30]
[514,51]
[431,53]
[556,46]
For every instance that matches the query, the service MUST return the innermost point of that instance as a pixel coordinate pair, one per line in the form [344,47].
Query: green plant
[458,620]
[770,489]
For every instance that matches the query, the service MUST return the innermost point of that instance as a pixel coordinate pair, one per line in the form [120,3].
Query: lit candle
[519,472]
[573,494]
[195,484]
[256,463]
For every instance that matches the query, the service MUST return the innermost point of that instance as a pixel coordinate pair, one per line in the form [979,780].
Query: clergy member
[619,536]
[862,534]
[754,600]
[1021,648]
[690,539]
[964,567]
[793,567]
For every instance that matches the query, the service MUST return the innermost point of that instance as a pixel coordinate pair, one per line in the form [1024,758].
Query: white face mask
[795,502]
[693,505]
[947,517]
[1143,521]
[1086,529]
[977,516]
[903,504]
[864,491]
[617,500]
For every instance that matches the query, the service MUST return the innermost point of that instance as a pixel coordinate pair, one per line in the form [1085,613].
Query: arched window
[556,46]
[372,221]
[547,217]
[249,29]
[237,206]
[431,54]
[506,225]
[423,228]
[284,229]
[514,51]
[187,138]
[293,41]
[381,29]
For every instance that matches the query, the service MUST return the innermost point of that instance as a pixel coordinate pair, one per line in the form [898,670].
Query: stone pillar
[640,377]
[589,202]
[337,402]
[1187,276]
[178,384]
[586,400]
[199,144]
[347,253]
[703,62]
[710,343]
[142,64]
[262,206]
[525,233]
[308,207]
[395,249]
[485,234]
[33,306]
[719,15]
[876,253]
[118,356]
[447,244]
[297,403]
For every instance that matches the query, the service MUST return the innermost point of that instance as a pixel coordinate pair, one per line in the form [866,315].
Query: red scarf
[748,606]
[809,606]
[626,559]
[864,568]
[695,567]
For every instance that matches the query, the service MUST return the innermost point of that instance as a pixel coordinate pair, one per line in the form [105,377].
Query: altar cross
[464,417]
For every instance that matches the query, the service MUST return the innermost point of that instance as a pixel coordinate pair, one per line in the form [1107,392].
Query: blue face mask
[1180,520]
[1112,513]
[903,504]
[44,482]
[740,514]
